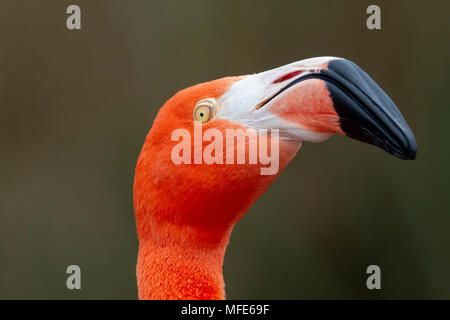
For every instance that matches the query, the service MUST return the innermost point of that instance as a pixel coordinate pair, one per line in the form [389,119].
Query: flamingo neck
[181,267]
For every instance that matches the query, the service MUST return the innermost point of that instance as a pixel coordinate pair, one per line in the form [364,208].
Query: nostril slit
[287,76]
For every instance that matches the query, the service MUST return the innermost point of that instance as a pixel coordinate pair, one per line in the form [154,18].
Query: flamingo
[185,212]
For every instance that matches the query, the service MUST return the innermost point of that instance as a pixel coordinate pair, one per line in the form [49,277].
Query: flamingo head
[191,175]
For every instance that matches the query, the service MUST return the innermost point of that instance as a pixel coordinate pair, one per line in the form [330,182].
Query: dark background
[75,107]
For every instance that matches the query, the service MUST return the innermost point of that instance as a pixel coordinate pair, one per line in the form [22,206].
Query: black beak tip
[412,153]
[366,113]
[409,152]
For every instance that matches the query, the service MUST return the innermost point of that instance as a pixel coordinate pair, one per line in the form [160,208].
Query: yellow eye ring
[204,110]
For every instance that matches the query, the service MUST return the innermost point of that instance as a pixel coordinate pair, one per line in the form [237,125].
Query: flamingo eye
[204,110]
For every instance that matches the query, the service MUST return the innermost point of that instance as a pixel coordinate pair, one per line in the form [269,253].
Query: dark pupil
[201,114]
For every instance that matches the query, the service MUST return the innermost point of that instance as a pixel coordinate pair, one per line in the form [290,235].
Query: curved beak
[311,99]
[366,113]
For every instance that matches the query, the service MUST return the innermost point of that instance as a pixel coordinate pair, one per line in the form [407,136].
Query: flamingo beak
[366,113]
[311,99]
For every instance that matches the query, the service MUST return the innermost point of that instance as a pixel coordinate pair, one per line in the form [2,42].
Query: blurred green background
[75,107]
